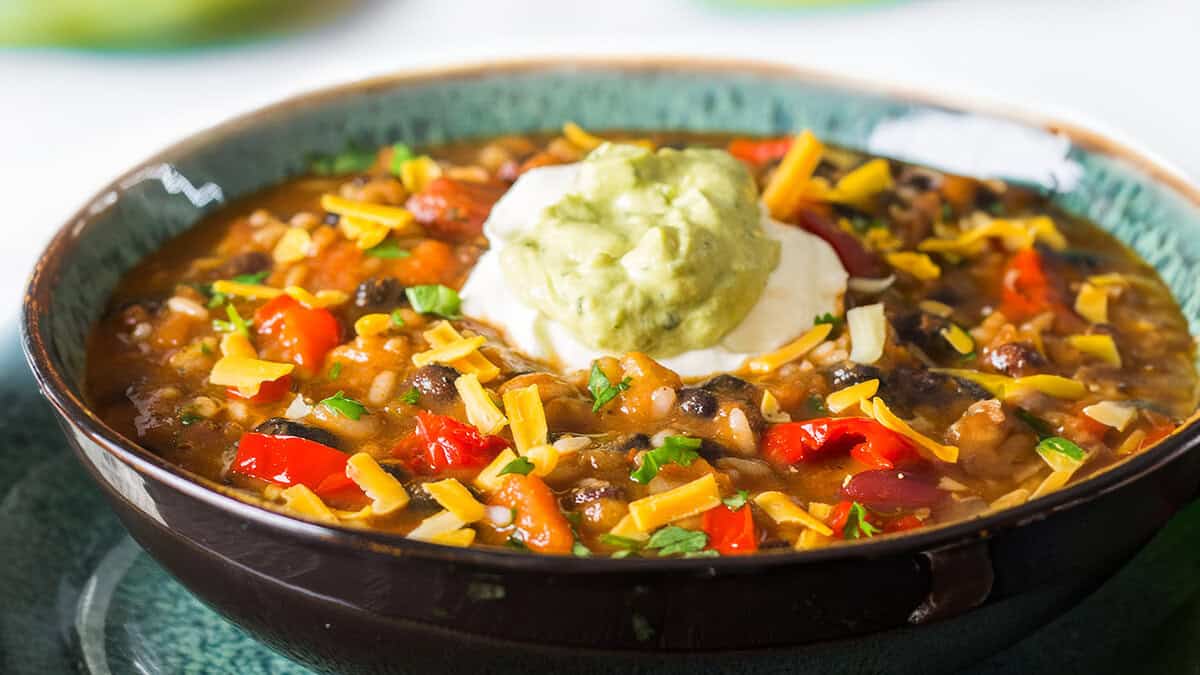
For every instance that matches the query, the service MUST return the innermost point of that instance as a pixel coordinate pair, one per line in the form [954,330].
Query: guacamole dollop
[654,251]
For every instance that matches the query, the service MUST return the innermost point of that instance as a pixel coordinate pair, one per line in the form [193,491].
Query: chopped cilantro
[580,551]
[335,370]
[737,501]
[204,348]
[678,449]
[412,396]
[397,318]
[857,526]
[434,299]
[346,407]
[828,318]
[862,223]
[603,390]
[1040,426]
[514,541]
[216,300]
[618,541]
[187,419]
[388,250]
[256,278]
[674,540]
[947,212]
[519,465]
[235,322]
[817,404]
[401,153]
[1061,446]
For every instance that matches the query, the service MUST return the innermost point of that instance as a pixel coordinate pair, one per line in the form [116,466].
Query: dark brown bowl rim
[77,414]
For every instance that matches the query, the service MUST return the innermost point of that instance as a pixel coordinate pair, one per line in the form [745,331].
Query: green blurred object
[151,24]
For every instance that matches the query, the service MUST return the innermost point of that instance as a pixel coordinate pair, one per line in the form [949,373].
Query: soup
[641,344]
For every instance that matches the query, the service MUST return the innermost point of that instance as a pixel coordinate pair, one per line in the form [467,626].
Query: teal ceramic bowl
[346,600]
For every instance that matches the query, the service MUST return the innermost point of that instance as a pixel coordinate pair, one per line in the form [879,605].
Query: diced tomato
[760,151]
[867,441]
[857,260]
[300,334]
[454,209]
[430,262]
[287,460]
[268,392]
[441,443]
[1026,290]
[538,522]
[730,532]
[838,517]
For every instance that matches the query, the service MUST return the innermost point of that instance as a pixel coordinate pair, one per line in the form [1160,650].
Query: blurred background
[92,86]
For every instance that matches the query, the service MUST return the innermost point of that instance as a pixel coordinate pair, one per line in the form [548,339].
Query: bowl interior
[171,192]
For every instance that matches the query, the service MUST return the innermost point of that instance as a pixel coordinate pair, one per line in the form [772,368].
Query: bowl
[348,600]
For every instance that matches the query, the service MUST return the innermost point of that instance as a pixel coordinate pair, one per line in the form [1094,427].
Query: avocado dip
[659,252]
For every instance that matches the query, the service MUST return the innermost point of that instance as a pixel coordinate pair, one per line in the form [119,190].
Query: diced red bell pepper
[1026,289]
[454,209]
[730,532]
[301,334]
[760,151]
[339,491]
[858,261]
[268,392]
[287,460]
[538,522]
[440,443]
[838,517]
[867,441]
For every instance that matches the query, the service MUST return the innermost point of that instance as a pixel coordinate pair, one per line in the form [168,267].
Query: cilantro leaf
[620,542]
[344,406]
[396,318]
[216,300]
[580,551]
[828,318]
[514,541]
[817,404]
[187,419]
[680,450]
[1040,426]
[235,322]
[603,390]
[256,278]
[401,153]
[519,465]
[335,370]
[387,250]
[857,526]
[674,540]
[737,501]
[434,299]
[412,396]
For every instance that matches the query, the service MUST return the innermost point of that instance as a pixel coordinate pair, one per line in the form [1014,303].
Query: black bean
[729,385]
[590,490]
[382,292]
[850,373]
[331,219]
[711,451]
[1016,359]
[250,262]
[281,426]
[698,402]
[630,442]
[435,381]
[924,330]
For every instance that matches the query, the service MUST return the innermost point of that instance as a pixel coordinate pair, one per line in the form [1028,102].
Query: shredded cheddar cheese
[848,397]
[440,523]
[790,184]
[295,245]
[251,291]
[451,352]
[1100,346]
[526,417]
[784,511]
[489,478]
[481,410]
[247,374]
[918,265]
[457,499]
[306,503]
[443,334]
[791,351]
[386,493]
[698,496]
[325,298]
[884,415]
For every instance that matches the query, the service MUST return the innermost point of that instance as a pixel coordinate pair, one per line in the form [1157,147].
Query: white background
[73,121]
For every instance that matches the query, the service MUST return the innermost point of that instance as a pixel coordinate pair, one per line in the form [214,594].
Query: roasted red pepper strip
[858,261]
[1026,290]
[297,333]
[268,392]
[339,491]
[441,443]
[287,460]
[730,532]
[760,151]
[867,441]
[454,209]
[538,522]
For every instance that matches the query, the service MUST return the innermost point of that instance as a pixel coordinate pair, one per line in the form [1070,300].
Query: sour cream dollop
[807,281]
